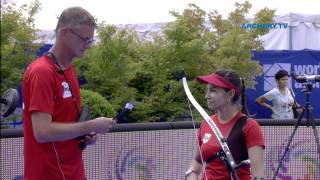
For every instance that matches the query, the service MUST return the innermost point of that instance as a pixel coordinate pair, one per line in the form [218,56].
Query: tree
[187,44]
[108,66]
[17,35]
[234,44]
[125,66]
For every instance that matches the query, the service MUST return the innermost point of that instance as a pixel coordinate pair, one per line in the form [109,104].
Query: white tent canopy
[303,32]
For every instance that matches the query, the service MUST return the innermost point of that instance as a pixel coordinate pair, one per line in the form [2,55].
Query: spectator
[281,97]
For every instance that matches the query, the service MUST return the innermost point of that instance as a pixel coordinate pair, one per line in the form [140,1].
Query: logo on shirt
[66,90]
[206,138]
[269,70]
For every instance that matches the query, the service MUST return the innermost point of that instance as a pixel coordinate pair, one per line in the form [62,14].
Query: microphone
[129,106]
[305,78]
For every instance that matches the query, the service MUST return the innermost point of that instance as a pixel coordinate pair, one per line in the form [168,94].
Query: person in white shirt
[281,98]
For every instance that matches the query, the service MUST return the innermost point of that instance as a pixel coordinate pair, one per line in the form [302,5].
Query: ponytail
[244,109]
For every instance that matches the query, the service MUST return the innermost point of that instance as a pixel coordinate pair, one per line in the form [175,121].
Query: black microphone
[305,78]
[129,106]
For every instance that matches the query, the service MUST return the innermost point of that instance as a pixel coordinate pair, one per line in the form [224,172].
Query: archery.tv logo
[264,26]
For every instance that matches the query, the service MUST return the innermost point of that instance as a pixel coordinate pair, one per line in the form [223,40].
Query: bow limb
[213,126]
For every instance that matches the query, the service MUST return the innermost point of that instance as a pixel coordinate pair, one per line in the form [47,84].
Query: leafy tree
[234,44]
[191,46]
[109,65]
[124,66]
[17,35]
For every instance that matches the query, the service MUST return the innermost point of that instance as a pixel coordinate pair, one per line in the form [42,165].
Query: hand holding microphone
[101,124]
[121,113]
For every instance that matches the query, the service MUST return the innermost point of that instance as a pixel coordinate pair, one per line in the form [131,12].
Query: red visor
[216,80]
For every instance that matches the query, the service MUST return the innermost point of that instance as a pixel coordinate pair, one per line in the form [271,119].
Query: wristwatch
[188,172]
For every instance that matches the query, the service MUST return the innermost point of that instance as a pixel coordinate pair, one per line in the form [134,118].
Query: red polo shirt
[216,170]
[46,90]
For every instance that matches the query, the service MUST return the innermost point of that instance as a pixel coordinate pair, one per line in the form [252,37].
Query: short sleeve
[41,84]
[253,134]
[269,95]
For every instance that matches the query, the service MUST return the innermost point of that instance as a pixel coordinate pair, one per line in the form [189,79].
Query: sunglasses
[87,41]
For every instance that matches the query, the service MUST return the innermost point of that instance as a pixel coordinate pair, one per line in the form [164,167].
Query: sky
[152,11]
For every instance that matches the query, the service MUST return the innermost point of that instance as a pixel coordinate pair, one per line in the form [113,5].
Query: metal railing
[12,133]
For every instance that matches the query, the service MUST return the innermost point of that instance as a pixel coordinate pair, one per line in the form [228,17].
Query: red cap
[217,80]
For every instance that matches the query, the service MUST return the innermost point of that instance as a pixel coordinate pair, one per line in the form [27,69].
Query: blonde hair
[73,17]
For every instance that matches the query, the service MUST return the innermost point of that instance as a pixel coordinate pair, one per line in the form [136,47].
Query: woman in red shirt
[225,96]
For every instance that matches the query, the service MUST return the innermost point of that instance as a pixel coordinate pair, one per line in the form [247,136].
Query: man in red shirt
[51,96]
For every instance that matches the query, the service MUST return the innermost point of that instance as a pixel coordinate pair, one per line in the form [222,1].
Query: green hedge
[98,104]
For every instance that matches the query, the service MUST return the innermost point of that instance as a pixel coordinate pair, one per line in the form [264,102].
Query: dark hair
[281,73]
[238,82]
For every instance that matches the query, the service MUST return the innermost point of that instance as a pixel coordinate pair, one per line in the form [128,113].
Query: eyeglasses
[87,41]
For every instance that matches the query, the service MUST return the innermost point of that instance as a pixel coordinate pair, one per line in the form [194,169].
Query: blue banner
[298,62]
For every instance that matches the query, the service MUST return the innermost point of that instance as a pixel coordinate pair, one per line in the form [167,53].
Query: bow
[226,153]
